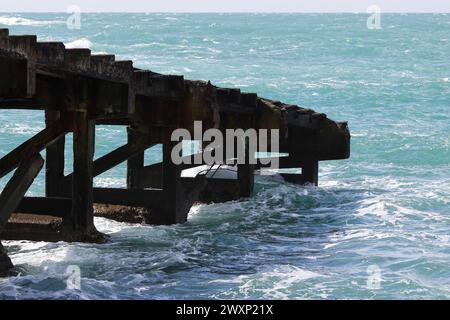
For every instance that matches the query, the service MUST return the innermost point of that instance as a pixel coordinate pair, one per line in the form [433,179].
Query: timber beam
[19,184]
[34,145]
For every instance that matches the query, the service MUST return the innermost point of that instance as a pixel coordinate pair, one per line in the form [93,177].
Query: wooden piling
[16,188]
[12,195]
[81,219]
[310,171]
[5,261]
[173,211]
[135,163]
[54,159]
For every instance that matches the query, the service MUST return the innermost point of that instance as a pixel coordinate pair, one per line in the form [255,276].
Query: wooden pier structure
[78,90]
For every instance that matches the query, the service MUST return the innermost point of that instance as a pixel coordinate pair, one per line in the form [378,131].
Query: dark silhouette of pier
[79,90]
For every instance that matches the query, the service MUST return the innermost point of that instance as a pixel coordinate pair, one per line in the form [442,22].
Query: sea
[376,227]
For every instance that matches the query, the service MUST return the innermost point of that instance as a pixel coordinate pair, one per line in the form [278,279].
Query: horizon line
[239,12]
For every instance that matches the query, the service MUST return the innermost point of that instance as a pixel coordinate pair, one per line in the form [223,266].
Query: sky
[225,6]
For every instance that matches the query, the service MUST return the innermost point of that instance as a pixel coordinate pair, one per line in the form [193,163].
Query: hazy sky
[226,5]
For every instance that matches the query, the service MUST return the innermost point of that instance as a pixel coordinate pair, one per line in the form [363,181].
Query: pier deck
[78,90]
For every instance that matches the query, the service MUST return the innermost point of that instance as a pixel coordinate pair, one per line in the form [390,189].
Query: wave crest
[20,21]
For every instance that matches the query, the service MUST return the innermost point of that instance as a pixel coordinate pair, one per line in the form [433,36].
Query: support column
[17,186]
[5,262]
[81,219]
[310,171]
[176,206]
[13,194]
[246,176]
[54,164]
[135,164]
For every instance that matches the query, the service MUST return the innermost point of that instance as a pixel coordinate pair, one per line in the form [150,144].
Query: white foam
[42,253]
[20,129]
[19,21]
[195,210]
[110,182]
[79,44]
[99,52]
[272,284]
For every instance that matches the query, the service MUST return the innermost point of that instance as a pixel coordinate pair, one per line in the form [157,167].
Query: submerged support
[174,211]
[246,180]
[5,261]
[310,172]
[246,175]
[81,219]
[11,196]
[176,195]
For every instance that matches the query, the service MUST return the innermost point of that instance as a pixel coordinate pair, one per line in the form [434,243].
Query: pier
[79,90]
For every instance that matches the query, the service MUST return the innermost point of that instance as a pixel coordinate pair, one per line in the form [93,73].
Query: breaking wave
[79,44]
[20,21]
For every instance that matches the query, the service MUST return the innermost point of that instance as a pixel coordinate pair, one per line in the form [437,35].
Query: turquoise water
[386,209]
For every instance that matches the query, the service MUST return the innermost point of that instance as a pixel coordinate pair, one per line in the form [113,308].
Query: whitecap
[109,182]
[100,52]
[195,210]
[79,44]
[20,129]
[276,283]
[214,50]
[20,21]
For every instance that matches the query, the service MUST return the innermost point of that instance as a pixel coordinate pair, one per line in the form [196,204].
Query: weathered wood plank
[34,145]
[128,197]
[151,176]
[16,188]
[22,104]
[13,77]
[26,46]
[50,206]
[51,53]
